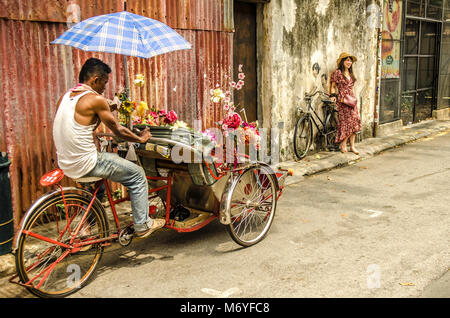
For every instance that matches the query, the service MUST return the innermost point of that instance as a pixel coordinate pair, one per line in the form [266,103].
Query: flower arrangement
[159,118]
[141,114]
[232,121]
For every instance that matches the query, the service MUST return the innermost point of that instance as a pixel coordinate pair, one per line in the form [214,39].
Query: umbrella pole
[127,85]
[127,80]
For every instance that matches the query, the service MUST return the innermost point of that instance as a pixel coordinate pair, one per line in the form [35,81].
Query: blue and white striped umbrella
[123,33]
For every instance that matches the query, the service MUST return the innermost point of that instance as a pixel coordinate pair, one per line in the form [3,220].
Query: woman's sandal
[356,152]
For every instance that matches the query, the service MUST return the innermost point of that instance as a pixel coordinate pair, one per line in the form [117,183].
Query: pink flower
[233,84]
[241,76]
[240,68]
[241,82]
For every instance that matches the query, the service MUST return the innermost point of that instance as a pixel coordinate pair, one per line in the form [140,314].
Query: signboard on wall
[390,47]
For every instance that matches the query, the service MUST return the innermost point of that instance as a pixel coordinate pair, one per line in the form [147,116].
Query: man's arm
[103,111]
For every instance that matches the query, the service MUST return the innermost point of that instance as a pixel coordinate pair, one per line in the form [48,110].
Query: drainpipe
[378,76]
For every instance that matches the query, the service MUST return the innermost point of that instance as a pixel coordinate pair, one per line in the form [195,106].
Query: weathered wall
[296,34]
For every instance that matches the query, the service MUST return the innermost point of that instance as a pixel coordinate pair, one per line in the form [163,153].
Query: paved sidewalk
[323,161]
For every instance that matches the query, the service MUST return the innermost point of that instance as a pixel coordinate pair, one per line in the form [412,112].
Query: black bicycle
[303,134]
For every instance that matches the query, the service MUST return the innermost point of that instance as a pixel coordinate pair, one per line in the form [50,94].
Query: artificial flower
[217,95]
[171,117]
[141,109]
[233,120]
[179,124]
[139,81]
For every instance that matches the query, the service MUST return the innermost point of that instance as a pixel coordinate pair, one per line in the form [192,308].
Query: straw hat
[344,56]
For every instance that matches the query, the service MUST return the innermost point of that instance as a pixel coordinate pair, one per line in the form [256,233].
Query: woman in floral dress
[349,122]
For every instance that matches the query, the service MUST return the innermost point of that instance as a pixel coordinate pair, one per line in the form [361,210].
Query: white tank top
[75,148]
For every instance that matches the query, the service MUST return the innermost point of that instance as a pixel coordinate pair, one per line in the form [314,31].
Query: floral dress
[349,121]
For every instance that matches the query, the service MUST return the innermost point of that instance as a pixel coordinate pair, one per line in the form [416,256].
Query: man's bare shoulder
[94,101]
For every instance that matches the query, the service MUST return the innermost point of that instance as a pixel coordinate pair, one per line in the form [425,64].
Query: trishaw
[62,236]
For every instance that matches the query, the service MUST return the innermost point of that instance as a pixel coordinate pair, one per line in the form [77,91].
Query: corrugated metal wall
[34,74]
[211,15]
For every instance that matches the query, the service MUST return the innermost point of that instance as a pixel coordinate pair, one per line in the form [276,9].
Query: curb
[324,161]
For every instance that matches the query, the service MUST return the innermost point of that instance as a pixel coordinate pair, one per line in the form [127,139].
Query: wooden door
[244,52]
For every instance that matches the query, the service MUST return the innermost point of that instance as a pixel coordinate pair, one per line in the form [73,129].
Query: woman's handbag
[350,101]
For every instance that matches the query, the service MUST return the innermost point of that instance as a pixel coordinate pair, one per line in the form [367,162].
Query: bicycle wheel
[252,206]
[331,131]
[53,270]
[303,134]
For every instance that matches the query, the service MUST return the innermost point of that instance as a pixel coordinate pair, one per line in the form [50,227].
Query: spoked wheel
[252,206]
[44,261]
[303,134]
[331,131]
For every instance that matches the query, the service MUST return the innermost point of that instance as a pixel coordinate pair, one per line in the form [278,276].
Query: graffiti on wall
[320,81]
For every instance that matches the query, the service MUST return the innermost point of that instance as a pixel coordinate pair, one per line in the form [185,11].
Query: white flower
[217,95]
[179,124]
[139,81]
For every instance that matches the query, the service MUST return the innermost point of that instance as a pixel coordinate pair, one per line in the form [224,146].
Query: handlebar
[317,92]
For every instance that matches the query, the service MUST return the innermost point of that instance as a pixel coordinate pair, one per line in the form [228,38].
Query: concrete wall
[293,35]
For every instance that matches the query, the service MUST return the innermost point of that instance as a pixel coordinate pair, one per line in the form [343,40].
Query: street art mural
[320,81]
[391,35]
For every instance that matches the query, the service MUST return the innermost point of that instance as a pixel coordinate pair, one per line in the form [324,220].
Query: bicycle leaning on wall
[303,134]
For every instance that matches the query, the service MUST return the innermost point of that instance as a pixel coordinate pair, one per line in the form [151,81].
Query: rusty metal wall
[31,82]
[34,74]
[178,14]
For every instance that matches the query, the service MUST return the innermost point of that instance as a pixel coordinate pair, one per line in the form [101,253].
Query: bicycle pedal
[126,236]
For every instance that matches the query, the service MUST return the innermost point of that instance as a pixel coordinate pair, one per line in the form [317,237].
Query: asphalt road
[377,228]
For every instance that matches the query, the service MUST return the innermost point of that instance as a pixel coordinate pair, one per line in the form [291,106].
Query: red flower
[171,117]
[233,120]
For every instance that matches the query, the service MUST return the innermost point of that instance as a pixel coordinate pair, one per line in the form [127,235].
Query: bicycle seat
[51,177]
[87,179]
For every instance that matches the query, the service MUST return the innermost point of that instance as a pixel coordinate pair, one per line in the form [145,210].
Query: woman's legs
[343,145]
[352,144]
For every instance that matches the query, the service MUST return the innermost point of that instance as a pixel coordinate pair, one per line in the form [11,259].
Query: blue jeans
[111,166]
